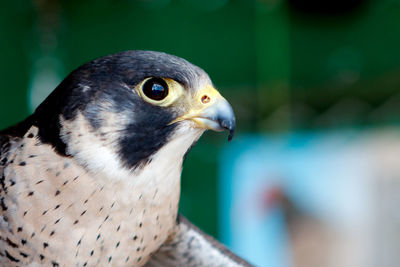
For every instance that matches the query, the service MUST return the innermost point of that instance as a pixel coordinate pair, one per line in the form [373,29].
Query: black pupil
[155,88]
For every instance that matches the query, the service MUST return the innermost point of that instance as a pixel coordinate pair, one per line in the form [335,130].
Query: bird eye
[155,88]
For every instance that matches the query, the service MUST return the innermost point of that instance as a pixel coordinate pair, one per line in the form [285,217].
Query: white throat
[100,157]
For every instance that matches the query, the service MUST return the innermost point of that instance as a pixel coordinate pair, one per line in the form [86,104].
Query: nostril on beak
[205,99]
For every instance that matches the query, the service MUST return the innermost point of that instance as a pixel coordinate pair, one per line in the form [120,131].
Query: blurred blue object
[309,199]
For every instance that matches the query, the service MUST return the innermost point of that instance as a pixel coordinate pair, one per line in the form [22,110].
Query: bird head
[126,107]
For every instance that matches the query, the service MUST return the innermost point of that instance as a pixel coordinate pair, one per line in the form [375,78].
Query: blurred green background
[283,64]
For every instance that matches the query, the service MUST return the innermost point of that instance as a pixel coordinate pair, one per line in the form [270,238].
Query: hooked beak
[212,112]
[217,117]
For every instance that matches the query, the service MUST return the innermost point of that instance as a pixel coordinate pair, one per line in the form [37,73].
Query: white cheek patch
[164,169]
[97,150]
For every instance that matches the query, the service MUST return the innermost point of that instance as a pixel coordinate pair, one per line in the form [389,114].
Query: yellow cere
[196,105]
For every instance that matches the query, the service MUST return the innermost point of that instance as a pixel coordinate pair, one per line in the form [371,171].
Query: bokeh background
[315,88]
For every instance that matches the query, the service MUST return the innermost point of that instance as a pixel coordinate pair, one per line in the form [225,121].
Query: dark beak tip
[227,121]
[231,133]
[230,125]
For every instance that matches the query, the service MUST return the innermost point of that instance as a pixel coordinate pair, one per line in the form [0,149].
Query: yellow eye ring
[159,91]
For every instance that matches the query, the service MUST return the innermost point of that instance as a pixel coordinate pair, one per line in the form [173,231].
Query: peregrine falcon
[92,177]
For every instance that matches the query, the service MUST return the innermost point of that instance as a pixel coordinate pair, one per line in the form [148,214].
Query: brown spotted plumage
[92,178]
